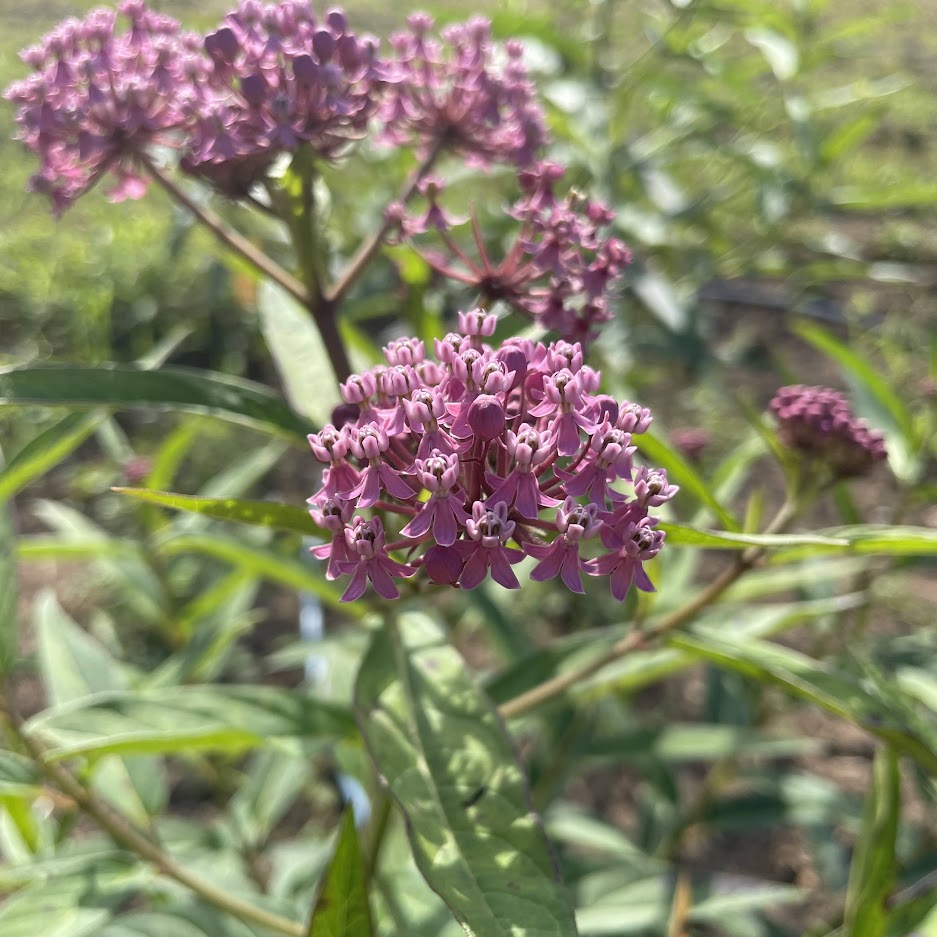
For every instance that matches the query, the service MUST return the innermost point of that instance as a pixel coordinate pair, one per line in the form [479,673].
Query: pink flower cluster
[818,422]
[560,269]
[97,96]
[270,78]
[276,78]
[458,457]
[452,92]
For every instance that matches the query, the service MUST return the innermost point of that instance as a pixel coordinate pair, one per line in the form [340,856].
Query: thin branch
[637,639]
[126,835]
[370,246]
[227,235]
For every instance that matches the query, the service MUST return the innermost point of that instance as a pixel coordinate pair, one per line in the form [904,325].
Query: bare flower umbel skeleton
[464,465]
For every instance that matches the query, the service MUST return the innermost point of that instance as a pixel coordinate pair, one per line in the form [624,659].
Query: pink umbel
[490,454]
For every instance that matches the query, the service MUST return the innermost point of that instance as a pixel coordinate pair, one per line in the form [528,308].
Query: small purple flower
[575,523]
[651,488]
[607,459]
[443,512]
[528,448]
[370,443]
[489,529]
[624,567]
[369,560]
[332,514]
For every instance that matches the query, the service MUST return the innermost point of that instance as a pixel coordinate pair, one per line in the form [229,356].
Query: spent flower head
[484,457]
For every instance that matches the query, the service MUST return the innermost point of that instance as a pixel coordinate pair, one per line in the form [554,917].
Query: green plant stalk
[126,835]
[635,640]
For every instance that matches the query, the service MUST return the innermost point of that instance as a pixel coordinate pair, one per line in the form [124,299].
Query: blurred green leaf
[263,562]
[681,535]
[46,451]
[682,473]
[873,865]
[299,353]
[18,776]
[780,53]
[837,692]
[173,388]
[256,513]
[72,664]
[342,908]
[450,766]
[189,718]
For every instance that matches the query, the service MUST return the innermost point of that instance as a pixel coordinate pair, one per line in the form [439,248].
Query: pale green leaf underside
[448,763]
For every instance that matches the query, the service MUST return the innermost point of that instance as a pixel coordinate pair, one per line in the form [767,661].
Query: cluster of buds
[560,269]
[269,79]
[819,423]
[457,457]
[453,93]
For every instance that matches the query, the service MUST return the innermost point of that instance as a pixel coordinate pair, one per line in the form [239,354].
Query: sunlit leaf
[682,535]
[256,513]
[450,766]
[299,353]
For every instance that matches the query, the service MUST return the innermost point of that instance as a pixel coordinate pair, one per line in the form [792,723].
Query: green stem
[227,235]
[126,835]
[637,639]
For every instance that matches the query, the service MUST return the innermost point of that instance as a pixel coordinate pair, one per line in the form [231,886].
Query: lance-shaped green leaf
[174,388]
[837,692]
[682,473]
[449,764]
[342,908]
[189,718]
[257,513]
[872,873]
[298,352]
[682,535]
[46,451]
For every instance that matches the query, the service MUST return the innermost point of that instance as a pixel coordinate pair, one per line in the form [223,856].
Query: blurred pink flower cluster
[270,78]
[818,422]
[458,457]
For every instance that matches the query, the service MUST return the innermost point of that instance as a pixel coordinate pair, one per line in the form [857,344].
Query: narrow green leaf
[267,564]
[872,872]
[174,388]
[682,535]
[342,908]
[838,693]
[299,353]
[257,513]
[450,766]
[9,626]
[682,473]
[189,718]
[46,451]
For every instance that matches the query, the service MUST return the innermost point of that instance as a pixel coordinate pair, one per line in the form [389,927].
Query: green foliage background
[769,772]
